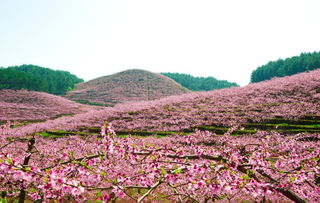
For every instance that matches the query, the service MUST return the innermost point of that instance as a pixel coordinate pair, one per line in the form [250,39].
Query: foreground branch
[153,187]
[242,168]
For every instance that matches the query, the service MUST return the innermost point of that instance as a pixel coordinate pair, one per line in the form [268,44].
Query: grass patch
[269,104]
[132,113]
[302,121]
[295,131]
[168,108]
[148,133]
[120,133]
[60,133]
[268,126]
[62,115]
[91,129]
[89,103]
[223,130]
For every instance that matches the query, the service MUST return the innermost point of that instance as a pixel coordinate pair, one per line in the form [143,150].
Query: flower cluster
[201,167]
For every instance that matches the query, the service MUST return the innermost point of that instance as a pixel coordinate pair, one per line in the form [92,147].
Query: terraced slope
[290,98]
[306,125]
[126,86]
[286,105]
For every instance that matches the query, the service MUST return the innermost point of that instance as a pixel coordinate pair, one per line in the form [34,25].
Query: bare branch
[153,187]
[78,159]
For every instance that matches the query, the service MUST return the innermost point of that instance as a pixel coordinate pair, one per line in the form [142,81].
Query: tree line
[36,78]
[288,66]
[199,83]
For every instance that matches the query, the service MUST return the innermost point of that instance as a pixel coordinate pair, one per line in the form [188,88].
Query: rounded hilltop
[126,86]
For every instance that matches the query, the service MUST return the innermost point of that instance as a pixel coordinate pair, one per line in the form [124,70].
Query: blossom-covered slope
[31,105]
[193,166]
[289,98]
[126,86]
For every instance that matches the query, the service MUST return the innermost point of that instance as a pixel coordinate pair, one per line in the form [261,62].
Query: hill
[229,159]
[126,86]
[36,78]
[288,100]
[23,105]
[199,83]
[267,132]
[287,67]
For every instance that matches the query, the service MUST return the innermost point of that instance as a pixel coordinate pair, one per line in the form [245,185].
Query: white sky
[226,39]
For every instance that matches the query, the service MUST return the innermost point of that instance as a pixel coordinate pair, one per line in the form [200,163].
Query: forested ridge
[32,77]
[199,83]
[288,66]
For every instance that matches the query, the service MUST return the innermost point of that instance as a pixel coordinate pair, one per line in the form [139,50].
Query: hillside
[256,143]
[288,99]
[23,105]
[126,86]
[287,67]
[36,78]
[199,83]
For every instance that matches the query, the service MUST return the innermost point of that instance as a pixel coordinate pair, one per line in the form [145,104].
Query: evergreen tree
[37,78]
[288,66]
[199,83]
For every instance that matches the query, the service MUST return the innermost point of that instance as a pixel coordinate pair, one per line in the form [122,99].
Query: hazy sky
[226,39]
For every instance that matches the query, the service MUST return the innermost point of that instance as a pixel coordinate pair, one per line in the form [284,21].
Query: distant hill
[126,86]
[199,83]
[26,105]
[288,66]
[31,77]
